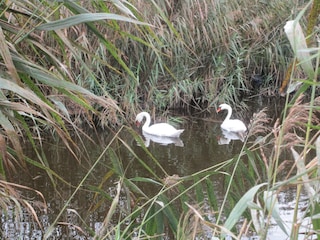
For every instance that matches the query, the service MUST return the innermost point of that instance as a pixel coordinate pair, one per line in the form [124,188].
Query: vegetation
[66,64]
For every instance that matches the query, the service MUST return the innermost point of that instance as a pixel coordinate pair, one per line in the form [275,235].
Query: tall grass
[76,61]
[259,204]
[213,47]
[218,47]
[40,83]
[293,131]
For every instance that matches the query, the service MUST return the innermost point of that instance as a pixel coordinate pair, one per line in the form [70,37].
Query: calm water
[202,148]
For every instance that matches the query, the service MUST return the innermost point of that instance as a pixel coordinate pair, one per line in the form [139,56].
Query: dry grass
[259,123]
[212,46]
[11,197]
[295,123]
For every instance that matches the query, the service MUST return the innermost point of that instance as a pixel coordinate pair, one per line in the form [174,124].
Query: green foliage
[159,53]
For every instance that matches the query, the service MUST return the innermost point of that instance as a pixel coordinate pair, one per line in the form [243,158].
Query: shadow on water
[200,147]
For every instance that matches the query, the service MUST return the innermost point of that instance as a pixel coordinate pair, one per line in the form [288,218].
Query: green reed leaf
[272,206]
[84,18]
[199,189]
[170,213]
[211,194]
[241,206]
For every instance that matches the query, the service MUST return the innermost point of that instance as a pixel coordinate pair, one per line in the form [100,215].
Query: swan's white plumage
[231,125]
[158,129]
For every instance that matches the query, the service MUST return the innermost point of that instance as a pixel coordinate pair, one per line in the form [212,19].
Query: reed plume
[295,123]
[259,123]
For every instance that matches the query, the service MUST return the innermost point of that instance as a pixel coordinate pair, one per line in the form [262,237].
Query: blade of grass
[85,18]
[241,206]
[272,206]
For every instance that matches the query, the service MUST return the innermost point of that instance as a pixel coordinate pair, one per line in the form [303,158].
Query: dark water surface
[201,149]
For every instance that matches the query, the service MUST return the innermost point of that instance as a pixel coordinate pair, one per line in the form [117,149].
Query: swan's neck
[147,122]
[228,115]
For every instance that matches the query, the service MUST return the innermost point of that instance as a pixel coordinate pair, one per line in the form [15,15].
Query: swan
[231,125]
[158,129]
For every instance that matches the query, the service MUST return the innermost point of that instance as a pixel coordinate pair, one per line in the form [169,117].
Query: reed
[198,53]
[296,130]
[76,62]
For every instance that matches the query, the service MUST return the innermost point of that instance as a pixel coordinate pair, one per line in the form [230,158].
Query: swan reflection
[227,136]
[162,140]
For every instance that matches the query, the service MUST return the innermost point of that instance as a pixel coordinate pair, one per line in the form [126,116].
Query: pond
[202,146]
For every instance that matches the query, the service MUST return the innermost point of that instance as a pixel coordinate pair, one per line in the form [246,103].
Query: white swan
[231,125]
[158,129]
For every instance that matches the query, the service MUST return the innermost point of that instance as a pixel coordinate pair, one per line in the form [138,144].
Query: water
[202,145]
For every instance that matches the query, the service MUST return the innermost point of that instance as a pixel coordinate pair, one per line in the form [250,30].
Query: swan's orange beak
[218,109]
[138,123]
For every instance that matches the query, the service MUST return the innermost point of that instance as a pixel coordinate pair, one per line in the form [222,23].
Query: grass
[191,59]
[99,62]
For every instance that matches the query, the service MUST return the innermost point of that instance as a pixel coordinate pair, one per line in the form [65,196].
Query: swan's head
[223,106]
[139,118]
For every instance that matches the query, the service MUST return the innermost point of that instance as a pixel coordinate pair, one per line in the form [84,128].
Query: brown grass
[295,123]
[259,123]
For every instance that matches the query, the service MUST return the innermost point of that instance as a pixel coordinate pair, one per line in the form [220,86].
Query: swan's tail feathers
[178,133]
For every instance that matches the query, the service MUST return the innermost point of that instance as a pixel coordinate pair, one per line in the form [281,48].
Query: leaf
[211,195]
[241,206]
[49,79]
[272,206]
[257,217]
[298,43]
[123,8]
[170,213]
[85,17]
[25,93]
[116,163]
[6,56]
[112,210]
[318,162]
[199,190]
[155,220]
[301,169]
[316,206]
[11,134]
